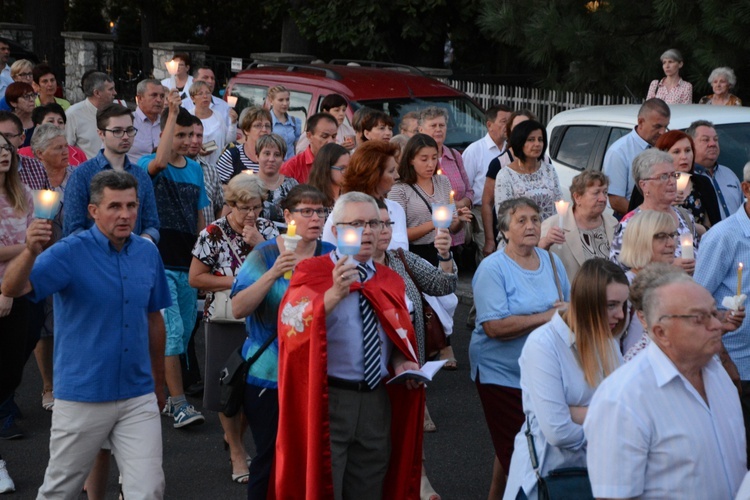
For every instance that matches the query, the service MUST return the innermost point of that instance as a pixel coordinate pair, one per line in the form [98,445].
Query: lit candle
[172,67]
[292,229]
[682,181]
[349,240]
[562,210]
[739,279]
[440,172]
[249,172]
[290,243]
[686,246]
[450,200]
[46,204]
[442,215]
[232,101]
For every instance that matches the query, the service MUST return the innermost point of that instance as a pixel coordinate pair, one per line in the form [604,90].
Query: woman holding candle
[655,175]
[20,97]
[220,250]
[257,292]
[418,190]
[695,193]
[287,126]
[584,232]
[327,174]
[255,122]
[432,280]
[214,126]
[529,175]
[562,363]
[16,214]
[516,290]
[270,150]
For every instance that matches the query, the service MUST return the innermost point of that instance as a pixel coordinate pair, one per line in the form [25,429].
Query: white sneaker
[6,483]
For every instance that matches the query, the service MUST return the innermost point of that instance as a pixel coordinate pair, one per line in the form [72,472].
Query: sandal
[48,400]
[446,353]
[242,478]
[426,491]
[429,425]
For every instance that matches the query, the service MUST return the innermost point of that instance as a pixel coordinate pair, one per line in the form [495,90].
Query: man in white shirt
[81,131]
[150,96]
[477,157]
[668,424]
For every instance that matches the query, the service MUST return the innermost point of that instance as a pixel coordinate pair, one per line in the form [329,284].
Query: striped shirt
[652,436]
[226,165]
[417,211]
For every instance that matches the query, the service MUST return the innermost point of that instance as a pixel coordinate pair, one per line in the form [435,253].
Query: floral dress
[542,186]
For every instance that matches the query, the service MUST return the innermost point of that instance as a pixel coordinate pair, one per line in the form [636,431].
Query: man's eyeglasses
[308,212]
[356,224]
[338,169]
[701,318]
[388,223]
[666,236]
[663,177]
[119,132]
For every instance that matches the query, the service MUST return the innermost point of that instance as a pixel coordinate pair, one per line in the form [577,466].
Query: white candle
[46,204]
[682,181]
[739,279]
[172,67]
[686,246]
[562,210]
[349,240]
[232,100]
[442,215]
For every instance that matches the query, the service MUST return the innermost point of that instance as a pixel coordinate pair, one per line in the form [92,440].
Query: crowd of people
[611,343]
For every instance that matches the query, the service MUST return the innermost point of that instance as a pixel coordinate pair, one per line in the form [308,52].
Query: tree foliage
[613,46]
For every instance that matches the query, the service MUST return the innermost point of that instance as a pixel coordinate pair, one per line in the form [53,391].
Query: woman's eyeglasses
[338,169]
[666,236]
[308,212]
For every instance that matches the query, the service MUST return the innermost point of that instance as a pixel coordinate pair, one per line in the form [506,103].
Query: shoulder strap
[557,278]
[402,258]
[262,349]
[688,218]
[429,207]
[230,244]
[532,447]
[237,165]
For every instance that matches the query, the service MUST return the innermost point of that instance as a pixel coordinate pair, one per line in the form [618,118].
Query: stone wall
[21,33]
[83,52]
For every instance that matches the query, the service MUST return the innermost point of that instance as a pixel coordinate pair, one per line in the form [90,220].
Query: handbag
[232,378]
[567,483]
[434,333]
[221,302]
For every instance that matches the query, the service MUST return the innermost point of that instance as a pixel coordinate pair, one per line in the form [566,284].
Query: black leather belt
[350,385]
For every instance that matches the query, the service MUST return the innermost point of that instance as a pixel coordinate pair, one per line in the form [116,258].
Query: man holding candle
[109,393]
[180,197]
[347,328]
[81,130]
[725,250]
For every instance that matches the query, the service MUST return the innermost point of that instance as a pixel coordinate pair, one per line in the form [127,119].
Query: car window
[299,103]
[615,134]
[465,119]
[255,95]
[735,149]
[577,146]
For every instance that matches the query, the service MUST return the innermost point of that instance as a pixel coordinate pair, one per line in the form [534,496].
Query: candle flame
[440,172]
[172,67]
[47,197]
[350,236]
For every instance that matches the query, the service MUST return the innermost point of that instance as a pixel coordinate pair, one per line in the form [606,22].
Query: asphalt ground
[459,455]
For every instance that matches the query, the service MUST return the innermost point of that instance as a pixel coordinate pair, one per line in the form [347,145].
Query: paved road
[459,456]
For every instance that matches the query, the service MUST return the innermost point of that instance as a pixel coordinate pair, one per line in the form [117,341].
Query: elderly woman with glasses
[20,97]
[656,177]
[214,126]
[327,174]
[271,150]
[219,252]
[257,292]
[255,122]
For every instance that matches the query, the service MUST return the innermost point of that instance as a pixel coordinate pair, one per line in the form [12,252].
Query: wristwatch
[447,259]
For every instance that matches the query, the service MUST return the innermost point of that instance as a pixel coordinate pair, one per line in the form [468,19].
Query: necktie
[370,339]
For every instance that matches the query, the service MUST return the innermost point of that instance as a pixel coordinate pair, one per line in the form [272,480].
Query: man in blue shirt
[653,119]
[115,127]
[109,287]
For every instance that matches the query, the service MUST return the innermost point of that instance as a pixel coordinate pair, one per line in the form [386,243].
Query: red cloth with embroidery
[302,467]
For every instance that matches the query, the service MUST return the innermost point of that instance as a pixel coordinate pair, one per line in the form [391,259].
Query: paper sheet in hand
[424,374]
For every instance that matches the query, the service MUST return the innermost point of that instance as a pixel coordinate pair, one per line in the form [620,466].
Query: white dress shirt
[81,130]
[652,436]
[477,157]
[221,107]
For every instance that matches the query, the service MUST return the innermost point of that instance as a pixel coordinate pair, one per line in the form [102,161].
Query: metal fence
[222,66]
[543,103]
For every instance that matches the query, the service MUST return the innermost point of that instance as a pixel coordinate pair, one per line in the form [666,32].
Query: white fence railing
[543,103]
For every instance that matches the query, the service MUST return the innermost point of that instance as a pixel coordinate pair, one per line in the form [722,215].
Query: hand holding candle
[290,244]
[46,204]
[686,246]
[562,210]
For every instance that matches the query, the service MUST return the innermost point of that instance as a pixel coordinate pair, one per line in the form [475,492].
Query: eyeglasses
[13,136]
[117,133]
[666,236]
[701,318]
[356,224]
[261,126]
[25,75]
[388,224]
[29,97]
[245,210]
[338,169]
[6,147]
[308,212]
[663,177]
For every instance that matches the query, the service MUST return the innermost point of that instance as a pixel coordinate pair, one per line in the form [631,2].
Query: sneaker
[6,483]
[187,415]
[168,410]
[9,429]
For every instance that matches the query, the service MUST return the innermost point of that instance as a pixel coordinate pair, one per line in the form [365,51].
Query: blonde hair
[637,240]
[196,87]
[273,91]
[20,65]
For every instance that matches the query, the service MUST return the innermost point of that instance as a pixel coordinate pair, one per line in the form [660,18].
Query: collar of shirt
[491,146]
[639,140]
[103,163]
[369,265]
[449,153]
[104,242]
[275,120]
[700,169]
[743,220]
[563,330]
[140,115]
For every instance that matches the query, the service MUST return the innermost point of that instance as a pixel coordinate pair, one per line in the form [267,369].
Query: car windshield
[465,119]
[735,150]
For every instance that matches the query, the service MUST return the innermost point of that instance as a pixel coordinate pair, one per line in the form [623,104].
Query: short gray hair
[651,300]
[113,179]
[726,72]
[432,112]
[654,104]
[351,197]
[647,160]
[507,208]
[140,89]
[673,54]
[95,81]
[43,135]
[746,172]
[698,123]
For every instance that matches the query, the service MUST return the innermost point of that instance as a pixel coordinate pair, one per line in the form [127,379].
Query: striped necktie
[370,338]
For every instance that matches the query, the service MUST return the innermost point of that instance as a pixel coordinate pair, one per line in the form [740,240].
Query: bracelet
[447,259]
